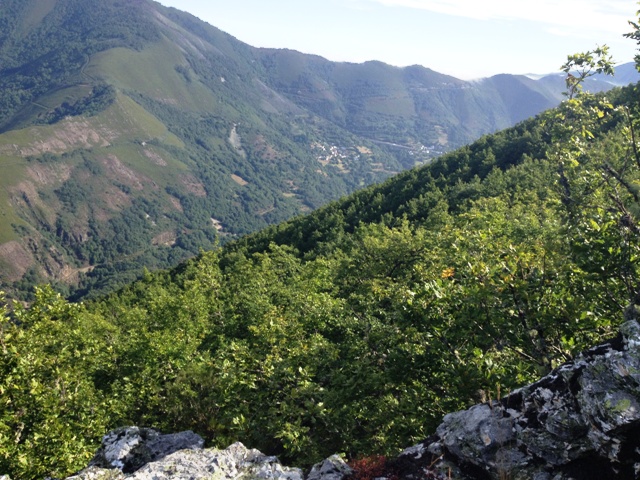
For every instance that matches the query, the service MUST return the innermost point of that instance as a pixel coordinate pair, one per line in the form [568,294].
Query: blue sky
[464,38]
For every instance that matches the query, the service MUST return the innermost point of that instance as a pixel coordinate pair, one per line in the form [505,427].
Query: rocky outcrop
[131,448]
[580,422]
[144,454]
[333,468]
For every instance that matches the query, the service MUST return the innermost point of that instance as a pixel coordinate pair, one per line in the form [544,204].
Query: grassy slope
[154,75]
[13,170]
[125,121]
[105,136]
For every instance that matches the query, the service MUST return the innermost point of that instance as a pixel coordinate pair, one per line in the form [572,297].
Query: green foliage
[51,411]
[581,66]
[353,329]
[598,162]
[635,35]
[100,98]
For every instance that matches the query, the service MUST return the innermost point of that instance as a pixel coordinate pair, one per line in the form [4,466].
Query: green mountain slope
[411,106]
[132,135]
[138,135]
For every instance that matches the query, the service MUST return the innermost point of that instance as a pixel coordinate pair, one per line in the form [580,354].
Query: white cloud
[595,15]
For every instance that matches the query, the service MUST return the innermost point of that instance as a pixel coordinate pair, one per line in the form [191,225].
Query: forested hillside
[132,135]
[355,328]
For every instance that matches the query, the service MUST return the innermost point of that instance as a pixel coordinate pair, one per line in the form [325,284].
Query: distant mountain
[132,135]
[411,106]
[625,74]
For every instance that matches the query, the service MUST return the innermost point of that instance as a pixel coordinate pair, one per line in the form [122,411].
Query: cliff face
[582,421]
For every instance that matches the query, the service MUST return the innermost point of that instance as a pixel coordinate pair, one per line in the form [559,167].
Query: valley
[136,133]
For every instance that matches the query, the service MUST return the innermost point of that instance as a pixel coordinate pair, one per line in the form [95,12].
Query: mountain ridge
[220,138]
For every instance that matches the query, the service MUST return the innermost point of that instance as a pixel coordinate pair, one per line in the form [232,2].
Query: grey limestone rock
[333,468]
[234,462]
[130,448]
[581,421]
[97,473]
[145,454]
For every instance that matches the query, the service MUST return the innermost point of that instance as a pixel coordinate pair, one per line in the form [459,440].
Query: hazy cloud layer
[598,15]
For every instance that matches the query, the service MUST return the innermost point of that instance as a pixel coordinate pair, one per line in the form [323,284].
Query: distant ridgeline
[133,135]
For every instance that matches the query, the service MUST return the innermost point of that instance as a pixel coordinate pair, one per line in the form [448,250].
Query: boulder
[234,462]
[333,468]
[581,421]
[130,448]
[145,454]
[97,473]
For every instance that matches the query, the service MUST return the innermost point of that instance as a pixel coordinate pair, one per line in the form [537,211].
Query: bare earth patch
[193,185]
[18,258]
[324,161]
[115,199]
[155,158]
[239,180]
[264,211]
[118,170]
[217,224]
[176,204]
[236,141]
[49,174]
[265,149]
[165,238]
[70,134]
[71,275]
